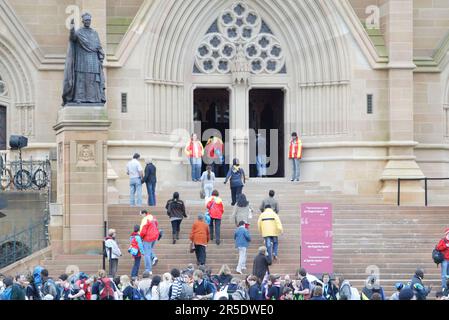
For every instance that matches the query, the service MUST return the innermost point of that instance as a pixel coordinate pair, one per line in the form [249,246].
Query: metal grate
[124,102]
[369,104]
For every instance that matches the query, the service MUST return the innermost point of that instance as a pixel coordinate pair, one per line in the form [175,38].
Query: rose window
[239,25]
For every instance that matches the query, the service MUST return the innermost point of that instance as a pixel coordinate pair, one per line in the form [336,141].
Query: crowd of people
[201,284]
[212,155]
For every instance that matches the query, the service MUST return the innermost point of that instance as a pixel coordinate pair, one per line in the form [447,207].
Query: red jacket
[215,207]
[150,232]
[442,247]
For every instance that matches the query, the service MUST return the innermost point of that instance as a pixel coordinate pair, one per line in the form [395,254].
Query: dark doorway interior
[211,109]
[266,111]
[2,128]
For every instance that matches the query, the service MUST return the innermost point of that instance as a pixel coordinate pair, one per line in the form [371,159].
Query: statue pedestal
[81,136]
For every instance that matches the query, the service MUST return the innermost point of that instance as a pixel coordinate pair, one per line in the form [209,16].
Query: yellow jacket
[269,224]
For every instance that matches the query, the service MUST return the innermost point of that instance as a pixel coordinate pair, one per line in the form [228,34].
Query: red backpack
[106,290]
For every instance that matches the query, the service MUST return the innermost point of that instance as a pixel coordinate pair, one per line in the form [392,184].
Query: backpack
[231,289]
[186,292]
[134,247]
[240,294]
[37,276]
[137,295]
[106,290]
[437,256]
[6,295]
[207,218]
[46,288]
[355,295]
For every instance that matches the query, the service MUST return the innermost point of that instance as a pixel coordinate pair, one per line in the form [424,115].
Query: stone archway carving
[239,26]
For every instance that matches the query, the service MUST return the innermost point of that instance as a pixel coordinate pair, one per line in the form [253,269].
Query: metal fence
[25,174]
[22,243]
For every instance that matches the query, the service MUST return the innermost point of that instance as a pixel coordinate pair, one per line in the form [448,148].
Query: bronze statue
[84,82]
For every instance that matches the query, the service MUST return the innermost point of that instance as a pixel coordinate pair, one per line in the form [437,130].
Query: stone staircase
[366,233]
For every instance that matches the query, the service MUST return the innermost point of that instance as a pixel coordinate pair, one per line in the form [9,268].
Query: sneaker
[218,242]
[275,258]
[155,261]
[239,272]
[292,180]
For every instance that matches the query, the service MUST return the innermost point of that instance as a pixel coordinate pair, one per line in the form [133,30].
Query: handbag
[202,194]
[192,247]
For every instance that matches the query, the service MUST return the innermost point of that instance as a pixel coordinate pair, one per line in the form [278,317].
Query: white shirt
[206,181]
[134,168]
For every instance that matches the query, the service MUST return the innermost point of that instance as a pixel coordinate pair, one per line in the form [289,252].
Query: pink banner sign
[316,237]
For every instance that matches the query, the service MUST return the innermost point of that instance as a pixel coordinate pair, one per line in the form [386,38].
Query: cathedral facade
[363,83]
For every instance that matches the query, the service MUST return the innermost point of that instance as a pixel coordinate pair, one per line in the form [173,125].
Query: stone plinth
[412,192]
[81,136]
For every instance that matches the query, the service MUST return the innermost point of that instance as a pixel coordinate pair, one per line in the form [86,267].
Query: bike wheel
[5,178]
[22,180]
[40,179]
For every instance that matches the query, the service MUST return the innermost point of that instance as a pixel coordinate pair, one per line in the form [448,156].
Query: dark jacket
[260,266]
[236,177]
[256,292]
[150,174]
[420,294]
[176,209]
[330,292]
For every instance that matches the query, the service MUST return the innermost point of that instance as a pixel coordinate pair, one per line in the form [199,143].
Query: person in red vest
[214,153]
[194,151]
[295,155]
[216,209]
[443,247]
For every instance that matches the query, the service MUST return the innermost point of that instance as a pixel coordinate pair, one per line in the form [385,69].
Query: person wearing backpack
[155,289]
[202,289]
[216,209]
[81,289]
[199,236]
[49,291]
[8,283]
[32,290]
[238,180]
[443,247]
[242,239]
[149,232]
[136,250]
[180,290]
[303,289]
[255,289]
[176,211]
[344,287]
[129,289]
[164,286]
[104,288]
[274,291]
[113,252]
[421,291]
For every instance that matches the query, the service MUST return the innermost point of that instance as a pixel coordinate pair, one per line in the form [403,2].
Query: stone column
[240,125]
[402,163]
[81,136]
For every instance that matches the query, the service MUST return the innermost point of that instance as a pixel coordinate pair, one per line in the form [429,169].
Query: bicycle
[22,179]
[40,176]
[5,174]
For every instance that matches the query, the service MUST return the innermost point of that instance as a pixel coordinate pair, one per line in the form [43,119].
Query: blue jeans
[151,190]
[196,168]
[272,246]
[261,161]
[135,186]
[136,267]
[296,171]
[149,255]
[215,225]
[444,273]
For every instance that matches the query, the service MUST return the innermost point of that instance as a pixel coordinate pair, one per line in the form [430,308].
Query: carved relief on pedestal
[85,155]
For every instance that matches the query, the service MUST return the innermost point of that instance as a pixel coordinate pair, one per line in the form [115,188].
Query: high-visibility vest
[194,149]
[295,150]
